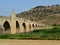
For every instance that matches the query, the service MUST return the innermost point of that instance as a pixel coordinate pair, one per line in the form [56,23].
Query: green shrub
[42,34]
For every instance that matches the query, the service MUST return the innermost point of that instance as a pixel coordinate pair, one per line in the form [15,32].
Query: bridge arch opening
[33,25]
[6,26]
[24,27]
[30,27]
[36,25]
[17,27]
[17,24]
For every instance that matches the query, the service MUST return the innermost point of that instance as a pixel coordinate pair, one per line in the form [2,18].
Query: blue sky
[6,6]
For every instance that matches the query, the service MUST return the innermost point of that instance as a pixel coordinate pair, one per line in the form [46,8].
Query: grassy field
[42,34]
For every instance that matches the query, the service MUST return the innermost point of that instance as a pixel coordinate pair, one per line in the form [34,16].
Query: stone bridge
[13,24]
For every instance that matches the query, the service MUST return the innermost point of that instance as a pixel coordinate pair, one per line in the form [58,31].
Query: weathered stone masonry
[13,24]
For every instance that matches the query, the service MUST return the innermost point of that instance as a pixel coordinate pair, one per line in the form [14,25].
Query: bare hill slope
[43,14]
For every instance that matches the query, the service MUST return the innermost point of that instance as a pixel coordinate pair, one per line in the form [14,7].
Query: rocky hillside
[43,14]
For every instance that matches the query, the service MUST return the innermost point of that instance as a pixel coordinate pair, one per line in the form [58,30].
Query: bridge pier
[27,27]
[13,23]
[21,27]
[13,27]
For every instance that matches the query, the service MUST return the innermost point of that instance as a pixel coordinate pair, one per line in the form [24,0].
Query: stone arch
[30,27]
[17,27]
[7,27]
[24,27]
[36,25]
[33,25]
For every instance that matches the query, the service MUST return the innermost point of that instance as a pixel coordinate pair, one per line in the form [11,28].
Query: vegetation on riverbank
[42,34]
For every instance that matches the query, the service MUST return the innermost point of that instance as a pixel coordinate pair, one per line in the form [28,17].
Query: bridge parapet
[4,17]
